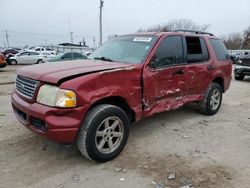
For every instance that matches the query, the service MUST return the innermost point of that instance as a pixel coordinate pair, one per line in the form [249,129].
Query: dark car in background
[242,68]
[11,51]
[68,56]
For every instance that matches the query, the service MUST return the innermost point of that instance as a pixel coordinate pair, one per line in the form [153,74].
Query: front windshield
[125,49]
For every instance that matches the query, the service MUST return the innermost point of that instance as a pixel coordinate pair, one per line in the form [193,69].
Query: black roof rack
[192,31]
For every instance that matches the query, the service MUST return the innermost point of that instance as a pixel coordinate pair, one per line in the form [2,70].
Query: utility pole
[94,41]
[83,42]
[71,37]
[100,22]
[7,38]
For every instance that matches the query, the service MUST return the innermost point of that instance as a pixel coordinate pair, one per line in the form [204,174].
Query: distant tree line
[232,41]
[236,41]
[175,25]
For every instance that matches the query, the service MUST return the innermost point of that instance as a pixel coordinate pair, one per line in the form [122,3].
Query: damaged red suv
[93,102]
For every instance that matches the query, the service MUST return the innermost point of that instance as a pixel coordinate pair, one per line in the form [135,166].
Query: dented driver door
[164,78]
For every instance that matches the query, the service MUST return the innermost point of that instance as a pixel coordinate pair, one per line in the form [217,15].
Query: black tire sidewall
[239,77]
[213,86]
[91,132]
[39,61]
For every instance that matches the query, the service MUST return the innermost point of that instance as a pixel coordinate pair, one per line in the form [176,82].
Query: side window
[219,49]
[77,55]
[33,53]
[170,52]
[205,54]
[67,56]
[194,50]
[24,53]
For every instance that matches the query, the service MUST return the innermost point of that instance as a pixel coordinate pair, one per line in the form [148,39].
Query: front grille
[25,86]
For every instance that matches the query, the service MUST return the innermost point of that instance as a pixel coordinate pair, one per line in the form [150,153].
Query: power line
[41,34]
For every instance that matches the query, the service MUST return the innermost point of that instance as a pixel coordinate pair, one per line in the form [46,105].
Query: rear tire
[103,133]
[39,61]
[239,77]
[211,102]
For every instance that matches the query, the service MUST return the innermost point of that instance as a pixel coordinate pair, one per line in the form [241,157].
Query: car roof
[182,32]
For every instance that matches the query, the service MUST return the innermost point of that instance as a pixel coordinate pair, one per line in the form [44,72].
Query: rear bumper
[242,70]
[58,125]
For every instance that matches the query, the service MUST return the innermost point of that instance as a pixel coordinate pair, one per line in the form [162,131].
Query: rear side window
[170,52]
[205,54]
[196,50]
[219,49]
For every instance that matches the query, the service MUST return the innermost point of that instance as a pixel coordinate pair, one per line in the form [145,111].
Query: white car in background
[42,49]
[27,57]
[48,55]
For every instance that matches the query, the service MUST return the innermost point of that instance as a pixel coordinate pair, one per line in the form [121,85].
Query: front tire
[211,102]
[239,77]
[103,133]
[13,62]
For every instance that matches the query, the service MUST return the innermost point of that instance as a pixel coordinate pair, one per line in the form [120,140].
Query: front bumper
[2,65]
[242,70]
[58,125]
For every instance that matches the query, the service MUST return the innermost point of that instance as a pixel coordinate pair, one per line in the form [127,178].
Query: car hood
[54,72]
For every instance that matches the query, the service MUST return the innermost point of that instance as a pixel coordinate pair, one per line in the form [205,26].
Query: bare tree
[233,41]
[246,36]
[185,24]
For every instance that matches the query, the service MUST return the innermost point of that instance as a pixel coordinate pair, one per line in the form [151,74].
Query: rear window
[219,49]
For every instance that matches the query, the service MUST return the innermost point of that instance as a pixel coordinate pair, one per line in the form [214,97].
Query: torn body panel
[163,89]
[121,82]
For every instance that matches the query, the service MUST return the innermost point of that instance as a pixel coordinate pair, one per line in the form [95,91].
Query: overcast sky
[39,21]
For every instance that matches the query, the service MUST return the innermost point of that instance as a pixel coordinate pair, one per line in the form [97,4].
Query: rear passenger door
[198,66]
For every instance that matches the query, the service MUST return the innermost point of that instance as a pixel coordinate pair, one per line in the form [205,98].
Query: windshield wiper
[103,59]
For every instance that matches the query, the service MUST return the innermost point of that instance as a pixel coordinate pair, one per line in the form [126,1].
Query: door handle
[179,72]
[210,67]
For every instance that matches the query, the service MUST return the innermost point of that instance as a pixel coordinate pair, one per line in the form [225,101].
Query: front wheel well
[119,102]
[220,81]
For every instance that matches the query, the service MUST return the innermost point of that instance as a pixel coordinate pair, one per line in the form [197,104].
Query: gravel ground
[194,149]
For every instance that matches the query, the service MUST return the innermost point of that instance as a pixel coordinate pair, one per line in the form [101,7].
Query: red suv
[92,102]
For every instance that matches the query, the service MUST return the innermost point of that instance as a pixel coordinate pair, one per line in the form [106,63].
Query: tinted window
[24,53]
[204,50]
[170,52]
[67,56]
[77,55]
[219,49]
[33,53]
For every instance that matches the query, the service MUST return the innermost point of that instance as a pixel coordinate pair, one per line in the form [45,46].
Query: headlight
[240,62]
[56,97]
